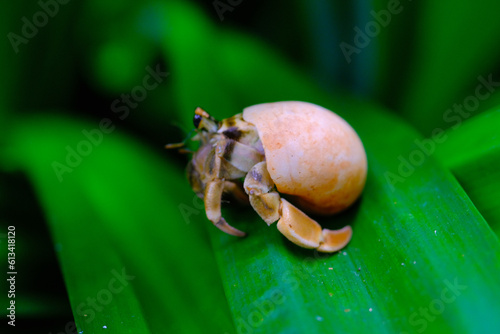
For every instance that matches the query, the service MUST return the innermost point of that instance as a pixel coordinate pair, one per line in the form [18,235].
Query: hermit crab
[299,150]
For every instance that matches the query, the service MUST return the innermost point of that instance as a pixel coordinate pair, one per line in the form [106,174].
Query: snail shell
[312,154]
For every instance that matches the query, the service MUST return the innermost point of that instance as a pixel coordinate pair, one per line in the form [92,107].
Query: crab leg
[213,196]
[307,233]
[259,187]
[295,225]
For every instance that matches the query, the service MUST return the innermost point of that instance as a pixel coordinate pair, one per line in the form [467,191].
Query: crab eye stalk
[203,121]
[196,120]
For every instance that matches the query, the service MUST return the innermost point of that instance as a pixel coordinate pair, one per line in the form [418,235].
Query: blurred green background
[110,237]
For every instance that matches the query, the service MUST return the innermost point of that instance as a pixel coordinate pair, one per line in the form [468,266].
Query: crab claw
[297,227]
[334,240]
[225,227]
[213,193]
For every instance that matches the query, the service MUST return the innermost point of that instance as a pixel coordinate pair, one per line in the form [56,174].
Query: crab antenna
[175,145]
[182,143]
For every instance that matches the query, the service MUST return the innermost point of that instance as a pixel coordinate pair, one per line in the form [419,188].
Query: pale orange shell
[312,154]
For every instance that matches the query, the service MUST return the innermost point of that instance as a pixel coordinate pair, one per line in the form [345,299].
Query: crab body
[293,148]
[228,150]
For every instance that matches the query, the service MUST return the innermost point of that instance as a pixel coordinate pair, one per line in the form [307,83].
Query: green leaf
[419,244]
[398,25]
[422,258]
[472,152]
[409,246]
[117,53]
[455,45]
[121,211]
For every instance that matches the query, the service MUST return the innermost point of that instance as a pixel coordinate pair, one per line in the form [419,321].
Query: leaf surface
[472,152]
[121,222]
[419,243]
